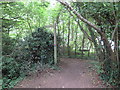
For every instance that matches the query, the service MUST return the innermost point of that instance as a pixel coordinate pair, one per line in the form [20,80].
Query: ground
[73,73]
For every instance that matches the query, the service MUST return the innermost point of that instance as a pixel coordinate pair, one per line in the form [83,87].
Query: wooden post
[55,45]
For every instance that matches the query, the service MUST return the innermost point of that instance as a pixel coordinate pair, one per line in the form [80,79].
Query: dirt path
[74,73]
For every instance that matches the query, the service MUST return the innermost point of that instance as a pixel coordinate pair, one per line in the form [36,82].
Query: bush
[27,55]
[7,44]
[41,46]
[10,70]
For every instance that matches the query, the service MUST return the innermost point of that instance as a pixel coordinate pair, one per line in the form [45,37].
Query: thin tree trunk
[55,45]
[72,28]
[89,49]
[63,38]
[39,21]
[116,49]
[98,51]
[68,37]
[83,41]
[76,40]
[29,24]
[58,33]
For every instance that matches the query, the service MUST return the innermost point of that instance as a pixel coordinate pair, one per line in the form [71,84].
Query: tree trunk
[63,38]
[97,49]
[68,37]
[55,45]
[76,40]
[72,29]
[58,33]
[89,48]
[83,41]
[29,24]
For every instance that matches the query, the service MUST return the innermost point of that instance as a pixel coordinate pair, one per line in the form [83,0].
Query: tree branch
[102,34]
[81,28]
[85,33]
[115,29]
[79,15]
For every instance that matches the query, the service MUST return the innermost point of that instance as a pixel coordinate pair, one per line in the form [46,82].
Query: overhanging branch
[79,15]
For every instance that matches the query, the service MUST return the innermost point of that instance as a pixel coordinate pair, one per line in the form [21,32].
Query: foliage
[18,21]
[10,71]
[7,44]
[105,16]
[36,48]
[42,47]
[25,49]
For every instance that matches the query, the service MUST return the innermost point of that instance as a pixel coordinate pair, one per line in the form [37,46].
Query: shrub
[25,56]
[41,46]
[10,70]
[7,44]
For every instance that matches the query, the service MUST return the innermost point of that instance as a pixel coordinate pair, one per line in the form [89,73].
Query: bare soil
[73,73]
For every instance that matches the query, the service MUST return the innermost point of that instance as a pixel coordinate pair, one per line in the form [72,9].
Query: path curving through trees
[73,73]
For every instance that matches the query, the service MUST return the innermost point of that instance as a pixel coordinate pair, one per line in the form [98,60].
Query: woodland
[37,34]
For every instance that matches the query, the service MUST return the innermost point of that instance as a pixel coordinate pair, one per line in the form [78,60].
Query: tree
[99,29]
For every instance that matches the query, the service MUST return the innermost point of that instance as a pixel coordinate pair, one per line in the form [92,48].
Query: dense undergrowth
[26,56]
[108,80]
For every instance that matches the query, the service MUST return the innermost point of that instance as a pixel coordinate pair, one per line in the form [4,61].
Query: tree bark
[84,32]
[58,33]
[29,24]
[63,38]
[72,28]
[97,49]
[83,41]
[76,40]
[55,45]
[68,37]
